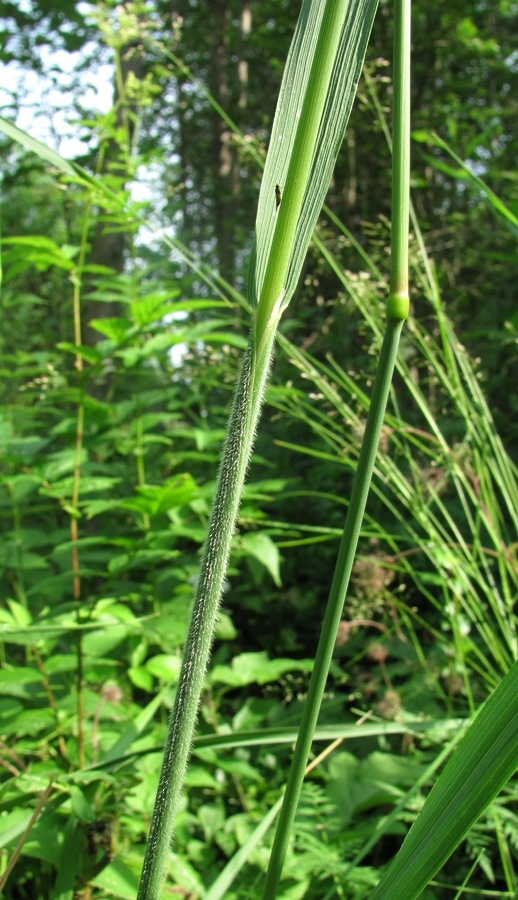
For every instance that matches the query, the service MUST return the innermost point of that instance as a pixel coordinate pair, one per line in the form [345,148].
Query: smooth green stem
[234,462]
[398,301]
[335,603]
[397,311]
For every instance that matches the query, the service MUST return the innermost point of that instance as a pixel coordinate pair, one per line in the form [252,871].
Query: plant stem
[335,603]
[241,429]
[398,304]
[238,445]
[397,310]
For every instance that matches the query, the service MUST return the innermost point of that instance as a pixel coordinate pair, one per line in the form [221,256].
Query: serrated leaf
[116,328]
[91,354]
[61,463]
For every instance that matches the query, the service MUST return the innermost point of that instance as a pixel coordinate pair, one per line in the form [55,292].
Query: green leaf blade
[483,762]
[285,136]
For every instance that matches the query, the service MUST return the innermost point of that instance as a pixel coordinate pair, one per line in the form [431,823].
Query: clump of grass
[318,88]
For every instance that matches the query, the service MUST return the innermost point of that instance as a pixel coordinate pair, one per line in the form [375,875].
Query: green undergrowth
[429,629]
[109,453]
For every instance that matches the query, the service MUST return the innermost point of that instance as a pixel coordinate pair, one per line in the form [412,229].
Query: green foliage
[115,433]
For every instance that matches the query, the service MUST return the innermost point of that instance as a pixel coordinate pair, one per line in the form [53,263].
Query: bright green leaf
[256,668]
[262,548]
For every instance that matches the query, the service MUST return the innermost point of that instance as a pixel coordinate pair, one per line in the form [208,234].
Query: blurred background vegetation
[122,324]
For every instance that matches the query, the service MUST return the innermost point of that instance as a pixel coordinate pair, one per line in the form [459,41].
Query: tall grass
[316,96]
[447,505]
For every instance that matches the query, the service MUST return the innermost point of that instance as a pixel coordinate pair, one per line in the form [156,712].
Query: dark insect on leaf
[277,196]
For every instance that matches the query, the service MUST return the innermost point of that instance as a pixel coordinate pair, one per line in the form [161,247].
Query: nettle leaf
[116,328]
[141,678]
[101,643]
[119,879]
[160,498]
[356,785]
[20,614]
[90,354]
[256,668]
[31,722]
[225,628]
[15,557]
[24,450]
[164,666]
[152,307]
[9,709]
[39,251]
[261,547]
[62,463]
[169,627]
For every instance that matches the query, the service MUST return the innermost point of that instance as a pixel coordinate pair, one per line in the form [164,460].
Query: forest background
[123,321]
